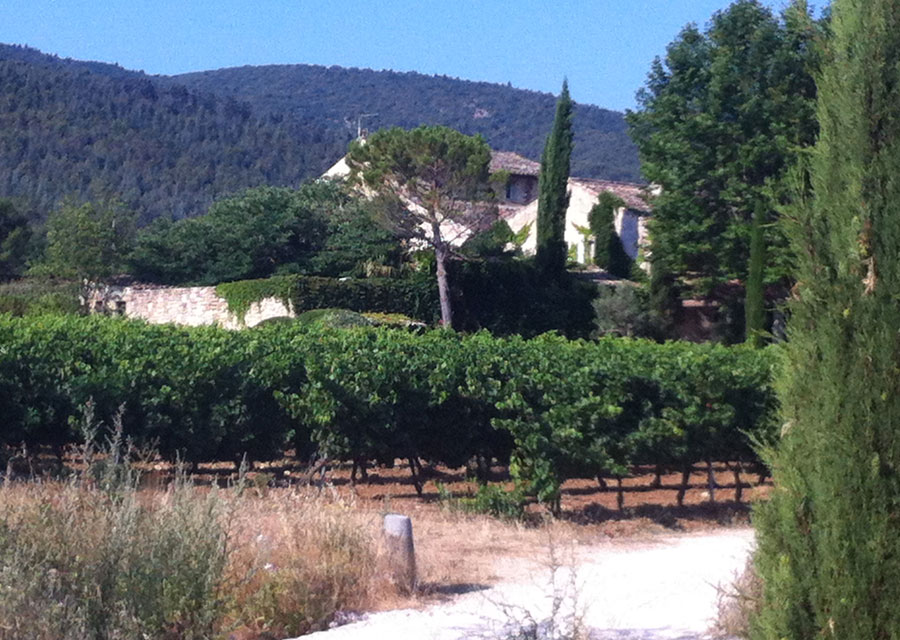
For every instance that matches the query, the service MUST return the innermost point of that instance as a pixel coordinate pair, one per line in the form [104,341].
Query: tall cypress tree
[553,200]
[829,539]
[754,299]
[609,254]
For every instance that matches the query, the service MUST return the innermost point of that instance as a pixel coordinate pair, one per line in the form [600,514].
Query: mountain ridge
[170,145]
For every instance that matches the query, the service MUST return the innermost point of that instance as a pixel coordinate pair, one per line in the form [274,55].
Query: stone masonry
[190,306]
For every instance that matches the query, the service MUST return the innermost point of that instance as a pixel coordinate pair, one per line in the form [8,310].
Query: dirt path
[658,589]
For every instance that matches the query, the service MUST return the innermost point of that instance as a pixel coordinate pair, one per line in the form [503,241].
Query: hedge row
[504,297]
[555,408]
[413,297]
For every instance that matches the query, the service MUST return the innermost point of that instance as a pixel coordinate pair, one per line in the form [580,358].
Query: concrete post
[401,551]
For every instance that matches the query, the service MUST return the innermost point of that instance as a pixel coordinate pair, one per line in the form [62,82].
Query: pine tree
[554,190]
[829,539]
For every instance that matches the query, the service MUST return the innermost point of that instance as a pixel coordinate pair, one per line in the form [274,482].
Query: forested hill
[169,146]
[88,129]
[510,119]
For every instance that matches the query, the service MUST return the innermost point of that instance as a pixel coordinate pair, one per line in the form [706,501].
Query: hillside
[510,119]
[169,146]
[85,128]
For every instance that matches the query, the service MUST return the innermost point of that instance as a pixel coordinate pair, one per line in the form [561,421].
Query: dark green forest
[70,131]
[170,146]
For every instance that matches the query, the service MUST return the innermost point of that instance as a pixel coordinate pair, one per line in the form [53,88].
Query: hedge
[415,297]
[505,297]
[555,408]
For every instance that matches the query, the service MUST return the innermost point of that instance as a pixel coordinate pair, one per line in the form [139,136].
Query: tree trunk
[442,254]
[683,487]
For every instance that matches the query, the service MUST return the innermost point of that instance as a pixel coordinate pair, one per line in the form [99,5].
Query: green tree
[88,241]
[15,239]
[442,182]
[609,254]
[755,301]
[829,541]
[720,120]
[254,234]
[553,187]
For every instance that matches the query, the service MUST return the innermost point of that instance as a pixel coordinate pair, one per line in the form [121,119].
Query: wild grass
[95,556]
[738,603]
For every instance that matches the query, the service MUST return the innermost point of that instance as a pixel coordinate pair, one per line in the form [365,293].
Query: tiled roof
[634,195]
[514,164]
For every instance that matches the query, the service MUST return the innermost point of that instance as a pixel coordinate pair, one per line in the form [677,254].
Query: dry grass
[299,557]
[103,555]
[737,604]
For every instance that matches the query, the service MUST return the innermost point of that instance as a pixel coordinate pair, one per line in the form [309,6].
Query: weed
[491,500]
[737,604]
[96,557]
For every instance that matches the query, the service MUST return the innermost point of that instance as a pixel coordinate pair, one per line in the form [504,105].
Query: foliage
[509,297]
[171,145]
[492,500]
[88,241]
[356,245]
[720,120]
[15,237]
[36,296]
[609,254]
[497,241]
[338,318]
[168,152]
[624,310]
[555,408]
[412,296]
[755,300]
[828,540]
[441,180]
[260,232]
[553,189]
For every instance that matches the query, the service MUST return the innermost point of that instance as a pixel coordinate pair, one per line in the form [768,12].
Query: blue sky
[604,46]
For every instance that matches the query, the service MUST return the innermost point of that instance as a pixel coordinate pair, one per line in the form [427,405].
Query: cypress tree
[829,539]
[609,254]
[754,303]
[553,185]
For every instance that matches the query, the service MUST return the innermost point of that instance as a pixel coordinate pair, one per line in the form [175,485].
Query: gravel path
[662,589]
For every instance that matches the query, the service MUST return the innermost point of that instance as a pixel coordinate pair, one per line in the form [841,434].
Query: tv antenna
[359,119]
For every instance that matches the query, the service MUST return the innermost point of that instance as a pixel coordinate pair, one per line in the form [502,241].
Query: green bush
[35,296]
[512,297]
[492,500]
[338,318]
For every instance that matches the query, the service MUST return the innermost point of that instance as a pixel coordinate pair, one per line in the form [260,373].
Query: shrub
[512,297]
[623,310]
[413,296]
[556,408]
[36,296]
[338,318]
[489,499]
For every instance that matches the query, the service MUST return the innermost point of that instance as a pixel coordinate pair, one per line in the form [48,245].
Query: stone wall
[191,306]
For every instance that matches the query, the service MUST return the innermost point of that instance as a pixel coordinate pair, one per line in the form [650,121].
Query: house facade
[518,204]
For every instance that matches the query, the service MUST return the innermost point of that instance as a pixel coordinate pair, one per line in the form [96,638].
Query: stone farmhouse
[518,205]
